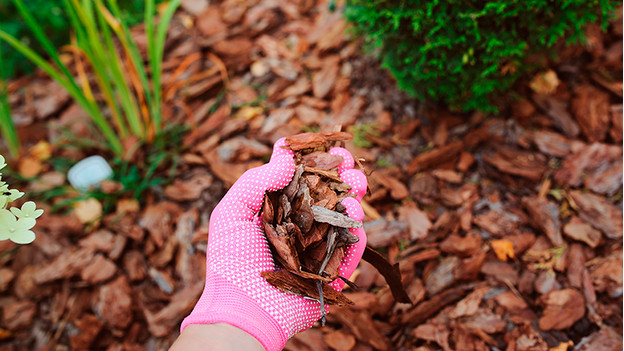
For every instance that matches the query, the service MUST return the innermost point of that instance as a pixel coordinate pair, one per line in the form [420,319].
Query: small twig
[319,285]
[331,245]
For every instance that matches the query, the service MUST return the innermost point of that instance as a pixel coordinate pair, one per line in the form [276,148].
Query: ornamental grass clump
[131,91]
[16,223]
[465,52]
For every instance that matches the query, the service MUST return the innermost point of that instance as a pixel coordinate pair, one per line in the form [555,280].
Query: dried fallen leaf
[544,82]
[41,150]
[563,346]
[88,210]
[29,166]
[503,248]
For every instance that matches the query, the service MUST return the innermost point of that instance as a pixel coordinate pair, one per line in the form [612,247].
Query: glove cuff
[224,302]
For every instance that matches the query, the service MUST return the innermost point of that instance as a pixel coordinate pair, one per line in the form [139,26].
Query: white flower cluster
[16,223]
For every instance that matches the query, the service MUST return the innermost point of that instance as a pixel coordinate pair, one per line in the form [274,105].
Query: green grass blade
[156,55]
[99,59]
[72,88]
[132,50]
[7,127]
[122,83]
[154,107]
[43,40]
[81,35]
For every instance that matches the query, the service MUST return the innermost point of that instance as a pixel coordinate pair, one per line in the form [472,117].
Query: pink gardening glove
[238,252]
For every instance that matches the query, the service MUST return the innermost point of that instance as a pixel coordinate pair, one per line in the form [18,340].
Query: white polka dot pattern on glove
[235,293]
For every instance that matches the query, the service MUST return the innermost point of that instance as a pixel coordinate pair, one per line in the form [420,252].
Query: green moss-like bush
[462,52]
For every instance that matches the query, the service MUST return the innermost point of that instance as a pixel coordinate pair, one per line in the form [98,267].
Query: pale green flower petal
[29,206]
[25,224]
[23,237]
[16,211]
[15,194]
[6,218]
[37,213]
[3,200]
[28,210]
[7,224]
[2,163]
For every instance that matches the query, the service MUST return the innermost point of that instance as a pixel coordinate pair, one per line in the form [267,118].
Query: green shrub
[463,52]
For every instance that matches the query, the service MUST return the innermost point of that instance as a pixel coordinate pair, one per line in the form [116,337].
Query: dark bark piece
[600,213]
[293,187]
[361,324]
[302,211]
[290,283]
[553,144]
[334,218]
[305,141]
[597,165]
[283,244]
[518,163]
[314,235]
[313,256]
[462,246]
[346,237]
[313,181]
[333,175]
[545,217]
[381,232]
[284,206]
[442,276]
[391,273]
[337,136]
[89,326]
[428,308]
[339,187]
[577,229]
[556,110]
[590,107]
[332,269]
[435,157]
[322,160]
[267,210]
[563,309]
[327,197]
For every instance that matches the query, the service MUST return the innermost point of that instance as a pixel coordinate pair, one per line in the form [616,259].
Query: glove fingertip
[357,180]
[278,149]
[281,171]
[347,163]
[354,209]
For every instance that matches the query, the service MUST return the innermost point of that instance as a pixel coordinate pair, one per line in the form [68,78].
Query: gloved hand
[238,252]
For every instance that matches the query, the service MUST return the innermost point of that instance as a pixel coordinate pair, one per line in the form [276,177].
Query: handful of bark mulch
[308,229]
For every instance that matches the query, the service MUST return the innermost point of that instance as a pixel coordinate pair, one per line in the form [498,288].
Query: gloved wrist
[224,302]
